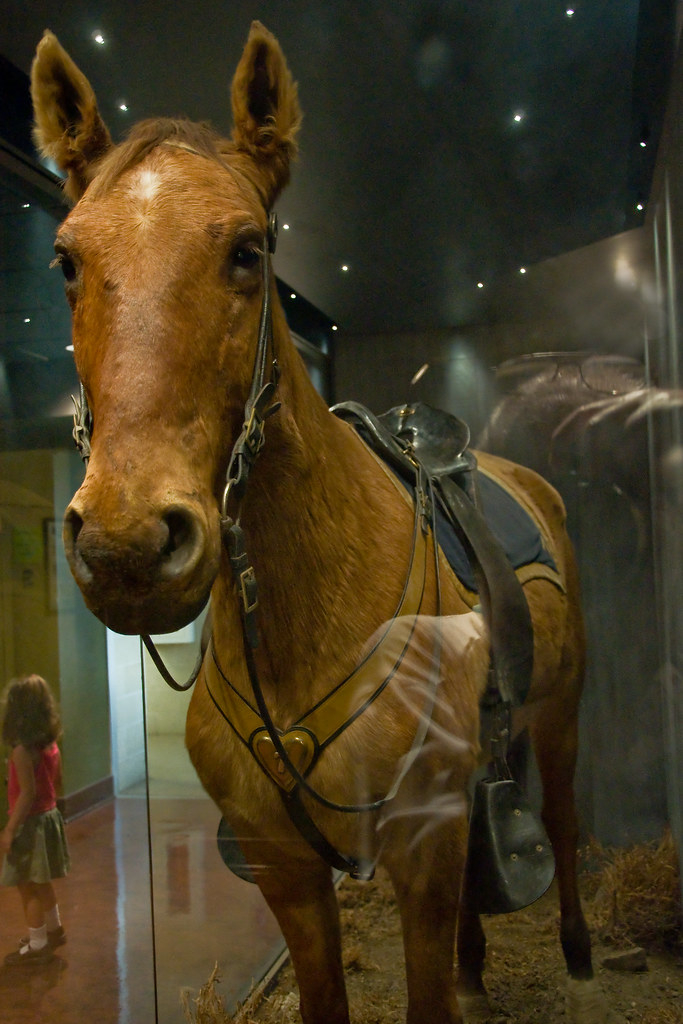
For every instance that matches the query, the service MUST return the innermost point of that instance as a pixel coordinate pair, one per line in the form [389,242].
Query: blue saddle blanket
[510,524]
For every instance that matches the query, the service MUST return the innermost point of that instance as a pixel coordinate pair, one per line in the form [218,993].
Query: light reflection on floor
[202,913]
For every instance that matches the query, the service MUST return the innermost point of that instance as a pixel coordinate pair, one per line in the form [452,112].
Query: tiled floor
[128,956]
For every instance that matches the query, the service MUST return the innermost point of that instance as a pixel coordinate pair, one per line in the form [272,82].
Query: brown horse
[164,257]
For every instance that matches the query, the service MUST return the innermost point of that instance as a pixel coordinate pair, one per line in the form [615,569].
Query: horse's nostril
[183,536]
[71,533]
[73,525]
[179,530]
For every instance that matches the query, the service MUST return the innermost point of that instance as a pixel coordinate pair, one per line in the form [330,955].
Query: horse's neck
[328,541]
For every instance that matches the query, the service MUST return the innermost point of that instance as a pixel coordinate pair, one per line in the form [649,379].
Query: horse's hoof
[475,1008]
[586,1003]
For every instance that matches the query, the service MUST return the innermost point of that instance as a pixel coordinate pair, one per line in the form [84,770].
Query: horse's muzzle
[148,575]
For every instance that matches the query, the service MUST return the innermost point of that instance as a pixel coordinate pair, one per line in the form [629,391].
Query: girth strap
[503,603]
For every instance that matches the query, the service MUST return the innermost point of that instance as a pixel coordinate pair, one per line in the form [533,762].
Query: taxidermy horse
[176,330]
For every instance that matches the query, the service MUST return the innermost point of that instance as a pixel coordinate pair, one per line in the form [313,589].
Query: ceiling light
[569,12]
[480,284]
[69,348]
[518,117]
[99,38]
[522,270]
[640,207]
[27,319]
[334,327]
[26,206]
[345,267]
[285,227]
[123,107]
[292,295]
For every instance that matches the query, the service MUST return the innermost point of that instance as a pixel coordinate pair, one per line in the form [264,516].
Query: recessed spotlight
[27,319]
[480,284]
[123,107]
[292,295]
[99,38]
[26,206]
[345,268]
[334,327]
[570,12]
[640,207]
[285,227]
[518,117]
[522,270]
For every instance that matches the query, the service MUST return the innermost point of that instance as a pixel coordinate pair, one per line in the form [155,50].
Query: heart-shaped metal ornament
[300,748]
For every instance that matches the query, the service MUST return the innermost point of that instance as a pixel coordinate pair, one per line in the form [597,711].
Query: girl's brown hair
[30,715]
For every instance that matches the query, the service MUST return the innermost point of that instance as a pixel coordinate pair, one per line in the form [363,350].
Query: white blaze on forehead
[144,188]
[145,185]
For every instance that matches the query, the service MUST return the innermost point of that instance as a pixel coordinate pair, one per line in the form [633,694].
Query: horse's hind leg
[554,736]
[555,745]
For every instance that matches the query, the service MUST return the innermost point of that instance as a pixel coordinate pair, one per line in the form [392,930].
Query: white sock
[37,937]
[52,919]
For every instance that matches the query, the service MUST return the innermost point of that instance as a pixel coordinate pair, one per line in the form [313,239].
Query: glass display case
[152,907]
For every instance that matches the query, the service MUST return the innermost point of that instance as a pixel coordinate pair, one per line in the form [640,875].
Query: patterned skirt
[39,852]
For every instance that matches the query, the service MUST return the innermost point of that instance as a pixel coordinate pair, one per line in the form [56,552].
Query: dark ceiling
[413,171]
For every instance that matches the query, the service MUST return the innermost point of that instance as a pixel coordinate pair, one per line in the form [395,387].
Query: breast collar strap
[308,736]
[287,757]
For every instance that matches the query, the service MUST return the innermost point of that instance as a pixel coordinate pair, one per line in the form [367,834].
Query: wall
[84,691]
[126,709]
[28,642]
[595,298]
[666,222]
[45,627]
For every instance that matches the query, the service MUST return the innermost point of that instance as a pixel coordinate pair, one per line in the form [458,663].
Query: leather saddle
[417,438]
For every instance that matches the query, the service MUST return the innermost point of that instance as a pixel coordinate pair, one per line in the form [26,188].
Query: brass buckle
[247,584]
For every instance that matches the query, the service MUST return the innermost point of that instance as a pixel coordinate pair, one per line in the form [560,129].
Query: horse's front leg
[426,871]
[303,899]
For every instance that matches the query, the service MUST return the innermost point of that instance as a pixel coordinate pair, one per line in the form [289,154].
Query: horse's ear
[265,109]
[68,127]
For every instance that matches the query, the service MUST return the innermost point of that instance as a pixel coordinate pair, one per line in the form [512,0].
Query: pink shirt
[46,773]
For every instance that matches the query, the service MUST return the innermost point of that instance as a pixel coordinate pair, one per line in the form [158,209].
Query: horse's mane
[146,136]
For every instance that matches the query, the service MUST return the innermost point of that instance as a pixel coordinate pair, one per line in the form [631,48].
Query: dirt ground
[525,973]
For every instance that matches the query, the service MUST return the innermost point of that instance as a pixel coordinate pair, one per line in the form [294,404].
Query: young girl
[33,839]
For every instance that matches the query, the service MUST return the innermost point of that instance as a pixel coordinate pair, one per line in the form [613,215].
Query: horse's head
[162,263]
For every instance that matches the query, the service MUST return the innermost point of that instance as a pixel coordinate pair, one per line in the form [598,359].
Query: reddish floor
[110,970]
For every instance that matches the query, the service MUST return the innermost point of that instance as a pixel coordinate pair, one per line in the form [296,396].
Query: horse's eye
[246,257]
[66,265]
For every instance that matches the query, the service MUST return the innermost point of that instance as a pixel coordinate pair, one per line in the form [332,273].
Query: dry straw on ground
[632,897]
[208,1007]
[637,897]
